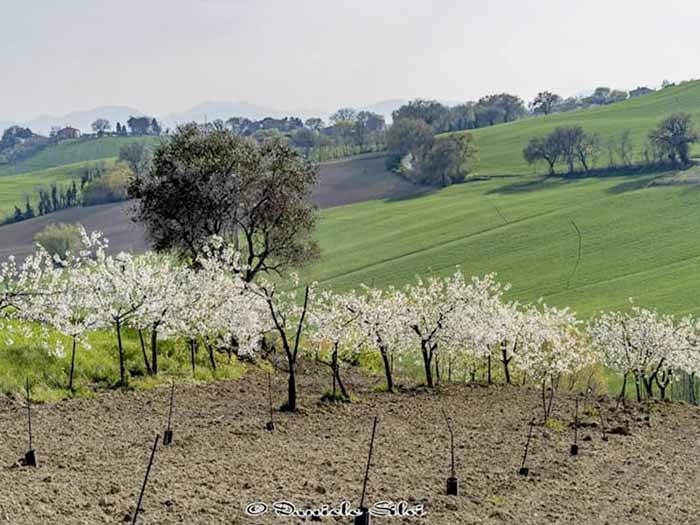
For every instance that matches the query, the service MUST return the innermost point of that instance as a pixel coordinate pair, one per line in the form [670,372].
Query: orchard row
[454,319]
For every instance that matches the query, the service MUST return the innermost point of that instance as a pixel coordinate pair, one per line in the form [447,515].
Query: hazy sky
[162,56]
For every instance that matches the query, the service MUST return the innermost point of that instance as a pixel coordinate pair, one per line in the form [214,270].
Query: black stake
[364,517]
[452,481]
[30,456]
[145,480]
[524,471]
[168,434]
[270,424]
[574,447]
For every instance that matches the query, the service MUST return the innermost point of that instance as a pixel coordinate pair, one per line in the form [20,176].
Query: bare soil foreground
[93,455]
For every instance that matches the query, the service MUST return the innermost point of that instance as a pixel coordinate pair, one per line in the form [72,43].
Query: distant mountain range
[208,111]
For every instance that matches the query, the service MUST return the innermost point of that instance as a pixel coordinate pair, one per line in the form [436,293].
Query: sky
[163,56]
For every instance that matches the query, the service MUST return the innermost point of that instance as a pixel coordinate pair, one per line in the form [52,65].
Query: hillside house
[67,133]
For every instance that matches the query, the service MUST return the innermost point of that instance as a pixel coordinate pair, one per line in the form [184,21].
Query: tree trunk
[387,370]
[193,349]
[343,391]
[210,350]
[427,364]
[505,360]
[154,350]
[291,405]
[143,351]
[122,369]
[72,366]
[437,369]
[624,387]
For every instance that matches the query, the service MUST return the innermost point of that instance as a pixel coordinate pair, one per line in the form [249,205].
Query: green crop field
[501,146]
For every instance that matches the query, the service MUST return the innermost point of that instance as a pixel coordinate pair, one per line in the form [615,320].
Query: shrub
[58,239]
[111,187]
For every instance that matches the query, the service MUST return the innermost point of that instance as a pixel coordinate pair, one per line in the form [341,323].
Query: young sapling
[574,447]
[145,480]
[364,518]
[168,434]
[525,471]
[452,481]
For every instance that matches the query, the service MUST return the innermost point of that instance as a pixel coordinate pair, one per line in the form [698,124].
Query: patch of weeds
[555,424]
[591,411]
[382,388]
[496,500]
[338,397]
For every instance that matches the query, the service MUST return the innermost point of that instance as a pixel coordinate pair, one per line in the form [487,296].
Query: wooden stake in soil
[574,446]
[270,426]
[168,434]
[30,456]
[145,480]
[524,471]
[364,518]
[452,481]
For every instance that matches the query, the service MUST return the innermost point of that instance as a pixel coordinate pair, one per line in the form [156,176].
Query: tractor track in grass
[93,454]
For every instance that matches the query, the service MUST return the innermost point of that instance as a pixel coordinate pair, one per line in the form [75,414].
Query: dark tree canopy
[570,144]
[344,115]
[431,112]
[542,149]
[135,155]
[101,126]
[449,160]
[144,126]
[545,102]
[214,183]
[673,137]
[496,109]
[409,136]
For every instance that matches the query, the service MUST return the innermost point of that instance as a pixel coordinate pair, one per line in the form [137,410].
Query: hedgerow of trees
[667,144]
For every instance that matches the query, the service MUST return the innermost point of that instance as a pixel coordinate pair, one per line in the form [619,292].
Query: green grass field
[501,146]
[636,241]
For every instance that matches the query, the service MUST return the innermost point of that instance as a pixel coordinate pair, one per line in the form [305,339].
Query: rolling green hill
[14,188]
[73,152]
[58,163]
[501,146]
[636,241]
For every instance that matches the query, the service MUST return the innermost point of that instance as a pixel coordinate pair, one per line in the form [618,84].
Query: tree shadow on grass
[638,177]
[529,184]
[410,195]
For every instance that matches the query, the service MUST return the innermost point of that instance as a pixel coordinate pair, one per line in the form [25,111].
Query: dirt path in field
[93,454]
